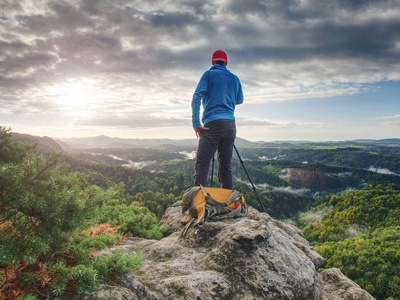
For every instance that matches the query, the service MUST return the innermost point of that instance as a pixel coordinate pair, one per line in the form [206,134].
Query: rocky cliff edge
[249,258]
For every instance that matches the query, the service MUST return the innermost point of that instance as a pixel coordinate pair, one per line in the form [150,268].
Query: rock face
[248,258]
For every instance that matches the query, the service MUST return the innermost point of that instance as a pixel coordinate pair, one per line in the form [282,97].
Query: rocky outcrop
[255,257]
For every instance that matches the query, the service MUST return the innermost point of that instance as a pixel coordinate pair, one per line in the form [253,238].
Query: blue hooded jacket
[220,90]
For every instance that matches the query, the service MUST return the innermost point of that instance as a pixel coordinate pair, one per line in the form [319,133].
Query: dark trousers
[219,137]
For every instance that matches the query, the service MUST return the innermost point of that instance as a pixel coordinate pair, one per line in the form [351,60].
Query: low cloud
[291,190]
[355,230]
[189,155]
[139,164]
[313,216]
[249,121]
[341,175]
[394,123]
[265,187]
[381,171]
[394,117]
[265,158]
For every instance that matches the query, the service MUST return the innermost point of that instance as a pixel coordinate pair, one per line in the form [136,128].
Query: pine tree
[43,211]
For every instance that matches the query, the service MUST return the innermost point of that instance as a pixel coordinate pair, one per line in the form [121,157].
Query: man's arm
[199,95]
[239,96]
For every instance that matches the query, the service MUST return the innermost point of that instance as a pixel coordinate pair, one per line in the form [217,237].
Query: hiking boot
[187,219]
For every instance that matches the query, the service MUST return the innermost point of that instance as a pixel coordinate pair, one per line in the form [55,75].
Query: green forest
[58,208]
[359,233]
[51,222]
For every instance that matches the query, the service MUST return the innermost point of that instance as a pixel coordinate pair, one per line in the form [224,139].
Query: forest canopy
[359,233]
[52,221]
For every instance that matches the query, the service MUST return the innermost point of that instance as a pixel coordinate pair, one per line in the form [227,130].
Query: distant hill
[63,145]
[393,141]
[103,141]
[45,143]
[388,141]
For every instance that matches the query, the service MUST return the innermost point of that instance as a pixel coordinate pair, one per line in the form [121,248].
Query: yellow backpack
[206,203]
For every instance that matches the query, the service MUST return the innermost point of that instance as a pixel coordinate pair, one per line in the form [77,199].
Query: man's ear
[213,62]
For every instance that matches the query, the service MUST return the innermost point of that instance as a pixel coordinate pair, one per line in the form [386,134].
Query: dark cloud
[251,6]
[319,25]
[40,25]
[373,39]
[164,46]
[12,47]
[25,64]
[13,86]
[174,20]
[87,47]
[200,7]
[294,11]
[298,30]
[70,17]
[9,6]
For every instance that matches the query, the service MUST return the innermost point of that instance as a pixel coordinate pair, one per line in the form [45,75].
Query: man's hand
[199,129]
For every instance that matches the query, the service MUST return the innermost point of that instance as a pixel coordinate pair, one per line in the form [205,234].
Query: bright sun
[75,95]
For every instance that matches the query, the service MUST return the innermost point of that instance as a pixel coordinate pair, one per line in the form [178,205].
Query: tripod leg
[248,176]
[212,170]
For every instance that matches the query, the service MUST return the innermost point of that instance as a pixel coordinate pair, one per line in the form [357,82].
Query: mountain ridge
[109,142]
[103,141]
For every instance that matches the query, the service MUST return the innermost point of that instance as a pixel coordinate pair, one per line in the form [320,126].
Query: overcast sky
[310,69]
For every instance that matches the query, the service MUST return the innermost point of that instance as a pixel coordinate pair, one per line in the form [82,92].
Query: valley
[289,176]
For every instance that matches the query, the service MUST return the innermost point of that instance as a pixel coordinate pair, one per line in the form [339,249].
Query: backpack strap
[201,218]
[237,212]
[206,195]
[235,196]
[187,199]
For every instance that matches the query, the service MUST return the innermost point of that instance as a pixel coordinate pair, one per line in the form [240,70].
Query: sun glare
[75,95]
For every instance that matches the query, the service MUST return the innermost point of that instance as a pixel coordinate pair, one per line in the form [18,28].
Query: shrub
[44,210]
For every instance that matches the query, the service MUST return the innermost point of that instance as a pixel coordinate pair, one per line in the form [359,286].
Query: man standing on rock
[220,91]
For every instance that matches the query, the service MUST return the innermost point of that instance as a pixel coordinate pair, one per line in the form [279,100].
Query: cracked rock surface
[255,257]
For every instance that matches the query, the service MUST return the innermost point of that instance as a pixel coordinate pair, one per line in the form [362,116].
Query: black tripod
[248,176]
